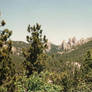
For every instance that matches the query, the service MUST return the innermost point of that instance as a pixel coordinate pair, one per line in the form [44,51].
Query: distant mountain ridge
[69,45]
[72,42]
[75,54]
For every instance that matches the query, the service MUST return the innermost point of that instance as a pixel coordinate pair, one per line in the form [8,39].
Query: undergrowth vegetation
[36,70]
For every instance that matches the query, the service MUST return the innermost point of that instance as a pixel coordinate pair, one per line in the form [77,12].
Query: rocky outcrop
[72,42]
[64,45]
[68,45]
[14,50]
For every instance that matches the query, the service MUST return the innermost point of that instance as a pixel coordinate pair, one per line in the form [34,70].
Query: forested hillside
[77,55]
[39,66]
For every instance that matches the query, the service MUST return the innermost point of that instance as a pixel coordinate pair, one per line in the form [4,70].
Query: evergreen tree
[88,67]
[35,55]
[6,66]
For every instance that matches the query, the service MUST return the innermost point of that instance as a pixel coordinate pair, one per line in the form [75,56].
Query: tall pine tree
[35,55]
[6,66]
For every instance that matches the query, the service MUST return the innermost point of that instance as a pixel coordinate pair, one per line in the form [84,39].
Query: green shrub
[35,83]
[3,89]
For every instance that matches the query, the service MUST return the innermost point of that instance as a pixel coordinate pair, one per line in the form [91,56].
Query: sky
[60,19]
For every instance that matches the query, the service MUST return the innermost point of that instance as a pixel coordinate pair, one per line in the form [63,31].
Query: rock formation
[14,50]
[72,42]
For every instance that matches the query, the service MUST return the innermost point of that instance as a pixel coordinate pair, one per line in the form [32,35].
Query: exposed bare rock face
[64,45]
[72,42]
[68,45]
[74,64]
[81,41]
[14,50]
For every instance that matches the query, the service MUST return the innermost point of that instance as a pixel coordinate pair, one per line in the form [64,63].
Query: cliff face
[72,42]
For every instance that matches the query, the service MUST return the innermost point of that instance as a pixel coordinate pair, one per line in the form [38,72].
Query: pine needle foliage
[36,53]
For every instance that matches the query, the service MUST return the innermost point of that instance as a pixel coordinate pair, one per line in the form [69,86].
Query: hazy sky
[60,19]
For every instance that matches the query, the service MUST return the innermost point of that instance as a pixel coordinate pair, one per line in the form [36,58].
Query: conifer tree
[6,66]
[35,55]
[88,67]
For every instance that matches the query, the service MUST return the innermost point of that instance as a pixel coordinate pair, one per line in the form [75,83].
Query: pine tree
[6,66]
[35,55]
[87,70]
